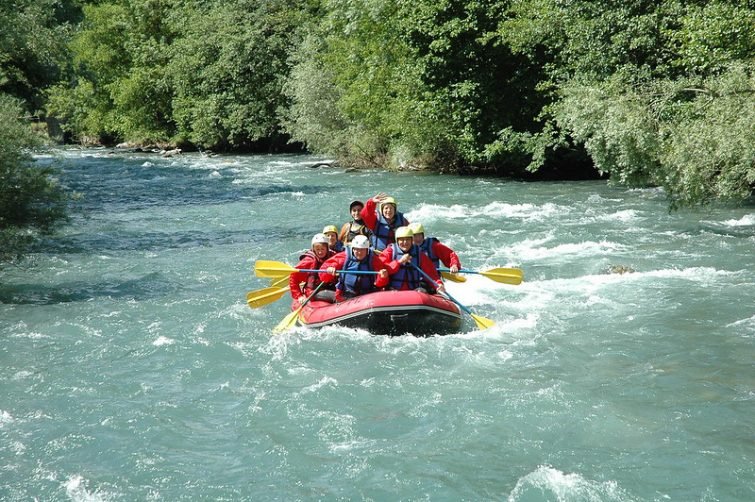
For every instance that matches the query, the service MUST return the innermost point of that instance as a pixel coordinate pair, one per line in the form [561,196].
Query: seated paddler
[435,250]
[302,284]
[404,259]
[357,257]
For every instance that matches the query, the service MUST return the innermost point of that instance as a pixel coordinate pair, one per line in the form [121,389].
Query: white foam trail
[433,213]
[547,483]
[527,251]
[5,418]
[163,340]
[76,489]
[747,220]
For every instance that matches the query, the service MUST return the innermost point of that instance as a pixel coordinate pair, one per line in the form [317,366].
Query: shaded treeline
[645,92]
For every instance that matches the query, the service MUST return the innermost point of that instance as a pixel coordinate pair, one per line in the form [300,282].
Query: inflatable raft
[387,313]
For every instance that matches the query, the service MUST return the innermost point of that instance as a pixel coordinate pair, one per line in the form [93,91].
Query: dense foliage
[33,55]
[645,92]
[31,202]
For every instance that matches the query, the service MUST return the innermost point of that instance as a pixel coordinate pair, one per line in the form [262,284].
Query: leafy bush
[31,201]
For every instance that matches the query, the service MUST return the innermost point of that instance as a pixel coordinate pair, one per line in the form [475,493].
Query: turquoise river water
[132,368]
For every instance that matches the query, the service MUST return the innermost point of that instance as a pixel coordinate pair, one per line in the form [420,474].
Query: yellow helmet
[389,200]
[404,232]
[329,228]
[417,228]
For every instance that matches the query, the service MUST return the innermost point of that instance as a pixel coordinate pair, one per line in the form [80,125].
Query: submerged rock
[620,269]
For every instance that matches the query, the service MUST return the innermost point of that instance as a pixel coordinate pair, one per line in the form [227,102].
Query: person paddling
[403,258]
[435,250]
[334,243]
[302,284]
[382,220]
[356,226]
[356,257]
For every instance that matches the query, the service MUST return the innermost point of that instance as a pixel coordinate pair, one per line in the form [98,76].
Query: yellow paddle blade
[453,277]
[273,269]
[265,296]
[504,275]
[279,283]
[482,322]
[288,322]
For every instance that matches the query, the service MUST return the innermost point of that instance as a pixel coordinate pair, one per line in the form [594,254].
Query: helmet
[355,203]
[329,228]
[360,242]
[417,228]
[389,200]
[319,239]
[404,232]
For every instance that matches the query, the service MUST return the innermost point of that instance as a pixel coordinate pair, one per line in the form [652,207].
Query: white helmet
[360,242]
[319,239]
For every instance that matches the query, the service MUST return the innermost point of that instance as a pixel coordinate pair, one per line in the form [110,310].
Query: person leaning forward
[356,257]
[402,260]
[382,220]
[302,284]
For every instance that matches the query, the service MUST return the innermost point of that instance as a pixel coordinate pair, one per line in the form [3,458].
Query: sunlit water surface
[132,368]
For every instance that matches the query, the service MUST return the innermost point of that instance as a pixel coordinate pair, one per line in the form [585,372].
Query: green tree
[31,201]
[120,88]
[33,52]
[228,68]
[657,92]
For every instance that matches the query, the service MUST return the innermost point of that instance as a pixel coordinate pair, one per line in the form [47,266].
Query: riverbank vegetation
[643,92]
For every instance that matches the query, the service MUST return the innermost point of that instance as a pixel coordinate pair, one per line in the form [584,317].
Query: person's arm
[369,214]
[335,263]
[381,280]
[447,255]
[391,265]
[296,278]
[427,267]
[344,232]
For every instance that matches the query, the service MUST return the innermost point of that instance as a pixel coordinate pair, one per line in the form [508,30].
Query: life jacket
[313,278]
[356,227]
[406,273]
[384,233]
[427,247]
[356,284]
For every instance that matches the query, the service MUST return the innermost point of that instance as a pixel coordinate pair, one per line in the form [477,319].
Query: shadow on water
[151,285]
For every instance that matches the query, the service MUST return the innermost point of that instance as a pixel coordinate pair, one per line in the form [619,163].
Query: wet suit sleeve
[335,261]
[446,254]
[369,214]
[427,267]
[391,265]
[377,266]
[297,278]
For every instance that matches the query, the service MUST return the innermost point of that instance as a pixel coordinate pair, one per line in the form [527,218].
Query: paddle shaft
[357,272]
[290,319]
[424,274]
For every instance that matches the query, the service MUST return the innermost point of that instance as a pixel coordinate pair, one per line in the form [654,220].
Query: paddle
[504,275]
[289,321]
[279,283]
[482,322]
[452,277]
[265,296]
[276,269]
